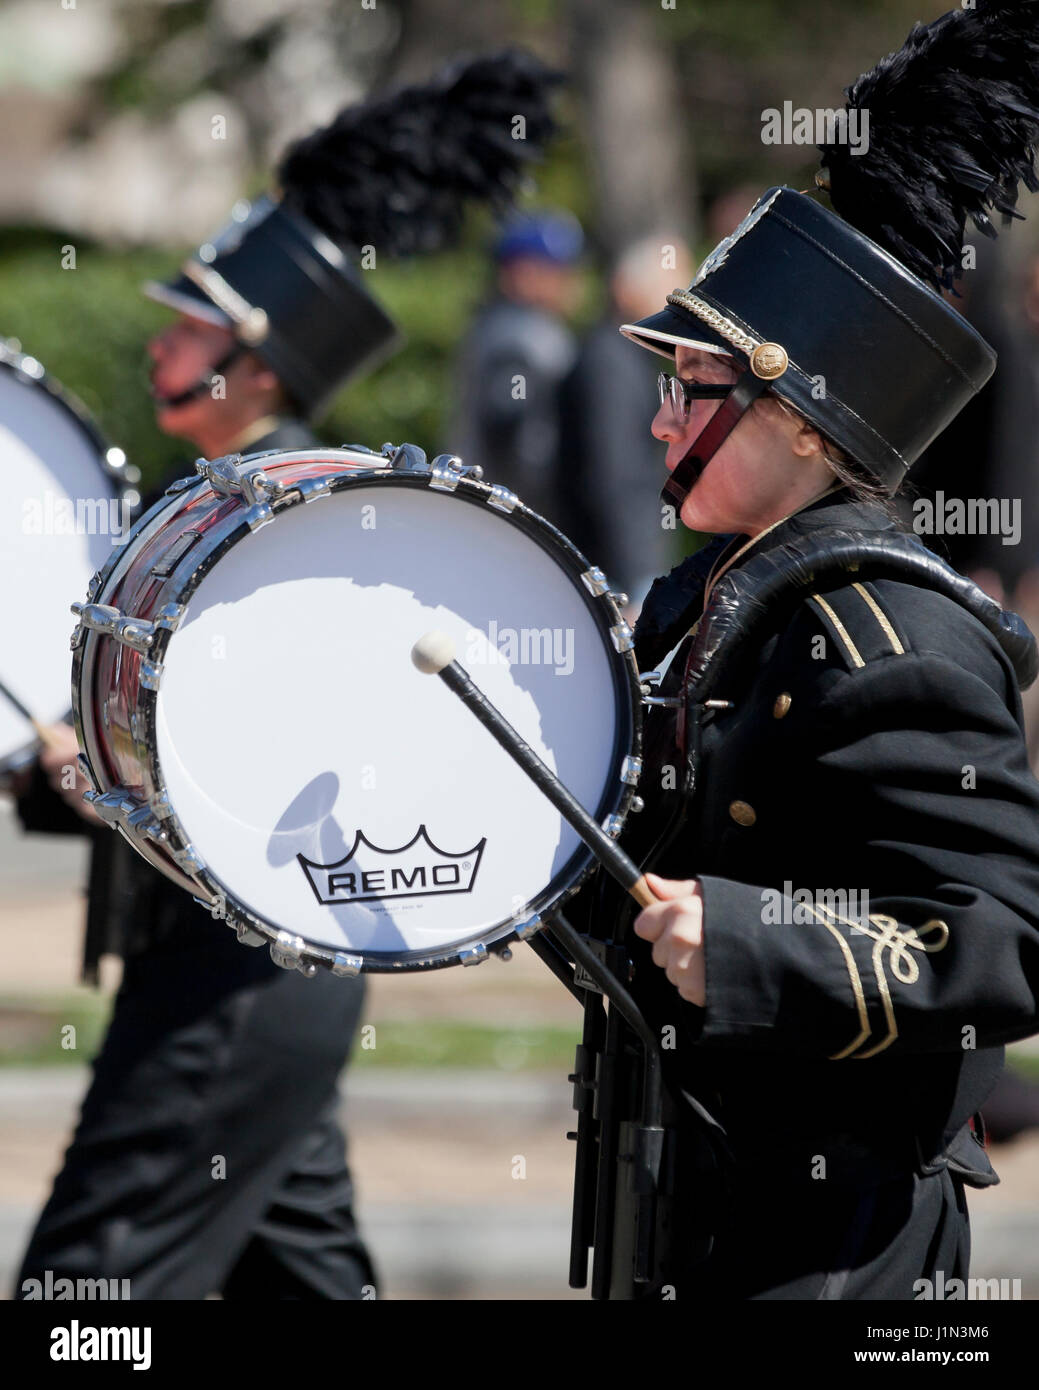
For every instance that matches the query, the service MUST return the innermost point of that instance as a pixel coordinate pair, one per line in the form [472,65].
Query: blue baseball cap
[550,236]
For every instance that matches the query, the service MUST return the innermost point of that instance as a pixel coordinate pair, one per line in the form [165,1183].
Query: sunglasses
[681,393]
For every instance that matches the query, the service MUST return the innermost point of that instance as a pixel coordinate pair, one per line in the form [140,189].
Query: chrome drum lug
[595,581]
[131,632]
[502,499]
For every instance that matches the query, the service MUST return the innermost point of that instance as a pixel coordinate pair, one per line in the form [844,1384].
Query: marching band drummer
[846,845]
[214,1052]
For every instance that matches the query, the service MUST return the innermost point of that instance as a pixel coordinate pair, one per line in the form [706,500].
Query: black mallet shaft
[42,732]
[434,654]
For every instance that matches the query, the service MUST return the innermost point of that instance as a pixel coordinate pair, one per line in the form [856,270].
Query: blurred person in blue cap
[515,357]
[605,450]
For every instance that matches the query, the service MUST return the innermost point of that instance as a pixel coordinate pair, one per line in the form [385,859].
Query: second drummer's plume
[397,172]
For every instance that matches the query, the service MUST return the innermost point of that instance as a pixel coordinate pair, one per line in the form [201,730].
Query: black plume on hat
[953,124]
[396,172]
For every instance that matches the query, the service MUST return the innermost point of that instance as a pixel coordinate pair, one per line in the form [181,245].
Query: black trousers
[777,1239]
[208,1157]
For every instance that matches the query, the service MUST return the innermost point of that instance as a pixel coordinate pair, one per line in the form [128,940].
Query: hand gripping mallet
[434,655]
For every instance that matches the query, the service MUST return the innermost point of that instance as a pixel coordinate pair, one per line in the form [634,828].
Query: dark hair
[853,475]
[862,487]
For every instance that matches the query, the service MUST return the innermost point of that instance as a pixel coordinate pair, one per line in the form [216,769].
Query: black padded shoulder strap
[673,604]
[748,599]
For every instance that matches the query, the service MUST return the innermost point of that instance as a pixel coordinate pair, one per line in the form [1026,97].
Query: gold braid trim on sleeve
[899,942]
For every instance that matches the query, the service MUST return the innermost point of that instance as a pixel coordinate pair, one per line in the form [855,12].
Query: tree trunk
[640,152]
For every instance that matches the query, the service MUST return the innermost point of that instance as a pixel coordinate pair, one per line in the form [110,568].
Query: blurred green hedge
[89,326]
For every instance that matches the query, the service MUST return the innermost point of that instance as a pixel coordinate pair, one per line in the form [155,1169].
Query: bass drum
[254,725]
[69,496]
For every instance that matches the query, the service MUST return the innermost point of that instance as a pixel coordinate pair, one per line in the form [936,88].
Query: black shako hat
[291,295]
[387,178]
[846,322]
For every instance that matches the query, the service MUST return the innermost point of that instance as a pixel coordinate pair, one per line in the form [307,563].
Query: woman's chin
[697,517]
[170,418]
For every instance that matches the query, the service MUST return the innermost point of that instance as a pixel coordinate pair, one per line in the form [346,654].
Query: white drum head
[56,529]
[333,790]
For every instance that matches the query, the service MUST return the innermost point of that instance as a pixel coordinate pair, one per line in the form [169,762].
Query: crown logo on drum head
[415,870]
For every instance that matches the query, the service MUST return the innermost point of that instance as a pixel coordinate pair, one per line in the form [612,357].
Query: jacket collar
[675,601]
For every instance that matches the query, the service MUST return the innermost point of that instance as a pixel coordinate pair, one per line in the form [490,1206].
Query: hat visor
[193,305]
[670,328]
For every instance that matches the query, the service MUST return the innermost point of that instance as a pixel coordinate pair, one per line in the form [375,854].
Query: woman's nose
[666,426]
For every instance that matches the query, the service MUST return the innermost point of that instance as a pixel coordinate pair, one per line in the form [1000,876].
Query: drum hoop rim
[11,361]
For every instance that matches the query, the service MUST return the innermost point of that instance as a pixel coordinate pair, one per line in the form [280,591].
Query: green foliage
[89,326]
[763,27]
[31,1029]
[1025,1064]
[30,1035]
[439,1043]
[31,1032]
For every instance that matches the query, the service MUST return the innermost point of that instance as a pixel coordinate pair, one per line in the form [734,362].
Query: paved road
[435,1157]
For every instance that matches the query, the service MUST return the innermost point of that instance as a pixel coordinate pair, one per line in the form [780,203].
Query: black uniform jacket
[873,747]
[129,903]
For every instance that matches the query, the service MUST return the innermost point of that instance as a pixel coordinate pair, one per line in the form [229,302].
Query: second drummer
[213,1051]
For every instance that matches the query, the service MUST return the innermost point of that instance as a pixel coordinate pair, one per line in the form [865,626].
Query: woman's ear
[260,375]
[807,442]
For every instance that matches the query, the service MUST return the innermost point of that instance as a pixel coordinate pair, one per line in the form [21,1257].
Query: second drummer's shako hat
[388,178]
[839,311]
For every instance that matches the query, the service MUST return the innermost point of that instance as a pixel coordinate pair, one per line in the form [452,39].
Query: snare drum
[67,502]
[253,724]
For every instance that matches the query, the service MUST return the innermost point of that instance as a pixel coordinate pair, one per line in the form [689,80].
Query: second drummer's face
[181,354]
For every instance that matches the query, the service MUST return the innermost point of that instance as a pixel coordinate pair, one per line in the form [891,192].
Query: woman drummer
[845,837]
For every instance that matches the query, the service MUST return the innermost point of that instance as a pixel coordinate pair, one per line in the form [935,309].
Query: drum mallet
[434,655]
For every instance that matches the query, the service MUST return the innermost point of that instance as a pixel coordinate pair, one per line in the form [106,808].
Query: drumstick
[434,654]
[44,734]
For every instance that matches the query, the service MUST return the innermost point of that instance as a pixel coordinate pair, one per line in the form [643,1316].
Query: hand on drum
[58,758]
[675,927]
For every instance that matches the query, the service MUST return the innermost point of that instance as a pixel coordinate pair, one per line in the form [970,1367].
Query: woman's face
[767,467]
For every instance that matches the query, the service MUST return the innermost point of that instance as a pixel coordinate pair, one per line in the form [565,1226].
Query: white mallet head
[433,652]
